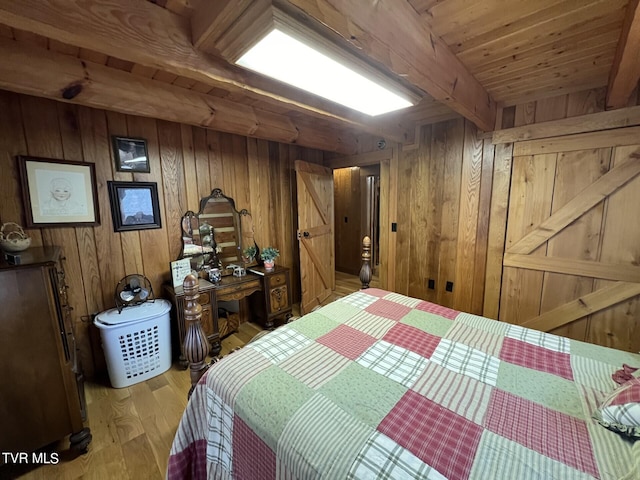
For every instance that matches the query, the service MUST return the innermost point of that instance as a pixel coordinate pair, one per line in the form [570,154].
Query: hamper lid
[136,313]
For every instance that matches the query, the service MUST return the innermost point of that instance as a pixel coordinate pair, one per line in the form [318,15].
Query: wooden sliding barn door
[315,233]
[572,254]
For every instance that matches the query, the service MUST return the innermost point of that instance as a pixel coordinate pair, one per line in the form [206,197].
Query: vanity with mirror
[213,237]
[214,240]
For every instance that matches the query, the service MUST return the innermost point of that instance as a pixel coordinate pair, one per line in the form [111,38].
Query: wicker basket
[13,239]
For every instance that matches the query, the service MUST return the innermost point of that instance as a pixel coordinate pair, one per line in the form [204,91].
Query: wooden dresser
[42,397]
[268,293]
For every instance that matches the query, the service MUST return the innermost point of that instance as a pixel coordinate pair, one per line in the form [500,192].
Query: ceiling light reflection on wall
[289,60]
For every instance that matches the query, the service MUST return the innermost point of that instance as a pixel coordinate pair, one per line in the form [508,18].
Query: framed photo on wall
[134,205]
[58,193]
[131,154]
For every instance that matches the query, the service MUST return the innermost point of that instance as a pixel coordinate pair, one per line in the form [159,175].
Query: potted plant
[250,253]
[268,256]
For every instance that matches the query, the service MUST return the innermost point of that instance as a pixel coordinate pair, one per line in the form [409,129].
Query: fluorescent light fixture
[283,57]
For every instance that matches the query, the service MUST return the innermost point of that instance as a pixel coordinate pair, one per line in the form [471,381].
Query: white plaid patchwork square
[371,324]
[482,323]
[359,299]
[280,344]
[219,428]
[593,373]
[394,362]
[463,359]
[381,457]
[403,300]
[541,339]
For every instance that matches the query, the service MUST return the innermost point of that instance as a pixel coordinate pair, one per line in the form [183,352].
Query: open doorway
[357,213]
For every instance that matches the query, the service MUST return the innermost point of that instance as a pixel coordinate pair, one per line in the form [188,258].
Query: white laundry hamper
[136,341]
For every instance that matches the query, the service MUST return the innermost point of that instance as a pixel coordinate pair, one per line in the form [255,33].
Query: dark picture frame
[58,193]
[130,154]
[134,205]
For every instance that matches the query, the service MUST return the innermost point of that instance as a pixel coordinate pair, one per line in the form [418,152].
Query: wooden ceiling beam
[625,71]
[211,19]
[36,71]
[392,33]
[145,34]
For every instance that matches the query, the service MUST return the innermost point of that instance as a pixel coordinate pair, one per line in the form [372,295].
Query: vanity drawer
[277,280]
[204,298]
[239,290]
[236,288]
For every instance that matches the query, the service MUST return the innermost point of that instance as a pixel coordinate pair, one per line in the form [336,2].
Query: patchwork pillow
[620,411]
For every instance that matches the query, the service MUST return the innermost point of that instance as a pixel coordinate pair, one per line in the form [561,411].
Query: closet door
[573,238]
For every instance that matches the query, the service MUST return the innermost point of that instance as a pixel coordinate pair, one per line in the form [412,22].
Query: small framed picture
[131,154]
[134,205]
[58,193]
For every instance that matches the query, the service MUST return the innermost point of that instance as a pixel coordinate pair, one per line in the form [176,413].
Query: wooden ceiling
[464,57]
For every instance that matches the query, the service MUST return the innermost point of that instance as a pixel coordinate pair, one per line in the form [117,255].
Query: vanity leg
[183,363]
[215,347]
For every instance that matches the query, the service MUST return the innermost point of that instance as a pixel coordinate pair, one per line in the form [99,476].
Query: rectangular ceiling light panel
[280,56]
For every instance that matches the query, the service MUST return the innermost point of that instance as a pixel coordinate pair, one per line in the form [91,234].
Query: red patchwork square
[551,433]
[387,309]
[437,309]
[252,458]
[437,436]
[412,339]
[190,462]
[375,292]
[347,341]
[536,358]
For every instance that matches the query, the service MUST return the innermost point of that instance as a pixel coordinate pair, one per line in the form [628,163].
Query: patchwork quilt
[381,385]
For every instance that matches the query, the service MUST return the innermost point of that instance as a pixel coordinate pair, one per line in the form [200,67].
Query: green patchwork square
[428,322]
[604,354]
[340,311]
[352,389]
[269,400]
[321,440]
[553,392]
[490,461]
[313,325]
[482,323]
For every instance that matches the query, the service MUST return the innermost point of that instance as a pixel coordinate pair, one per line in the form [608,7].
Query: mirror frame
[200,260]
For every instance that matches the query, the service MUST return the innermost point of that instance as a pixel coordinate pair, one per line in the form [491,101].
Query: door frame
[389,161]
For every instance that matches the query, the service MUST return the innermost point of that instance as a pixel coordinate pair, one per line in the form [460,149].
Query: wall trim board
[625,117]
[581,141]
[360,160]
[571,266]
[587,304]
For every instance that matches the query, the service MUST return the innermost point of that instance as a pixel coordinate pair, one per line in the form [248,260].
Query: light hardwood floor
[133,427]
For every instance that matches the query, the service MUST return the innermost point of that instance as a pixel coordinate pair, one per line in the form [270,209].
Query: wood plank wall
[449,194]
[541,185]
[444,187]
[186,162]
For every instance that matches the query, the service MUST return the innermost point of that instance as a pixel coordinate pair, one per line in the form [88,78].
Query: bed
[381,385]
